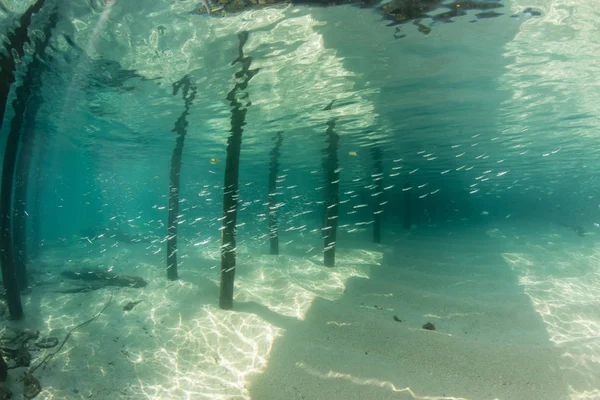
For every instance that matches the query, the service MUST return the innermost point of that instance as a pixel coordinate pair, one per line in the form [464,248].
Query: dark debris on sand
[429,326]
[96,278]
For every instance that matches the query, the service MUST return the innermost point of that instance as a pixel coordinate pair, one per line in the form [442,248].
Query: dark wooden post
[332,182]
[19,221]
[21,216]
[273,169]
[15,46]
[407,205]
[378,195]
[239,104]
[32,102]
[3,369]
[189,94]
[16,41]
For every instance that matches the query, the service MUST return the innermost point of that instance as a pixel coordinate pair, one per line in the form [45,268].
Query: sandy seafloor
[516,309]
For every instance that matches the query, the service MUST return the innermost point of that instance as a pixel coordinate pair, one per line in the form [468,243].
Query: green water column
[36,187]
[38,181]
[239,103]
[189,94]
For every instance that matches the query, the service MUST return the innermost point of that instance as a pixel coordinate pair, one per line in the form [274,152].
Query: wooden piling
[15,45]
[273,170]
[332,183]
[189,94]
[239,106]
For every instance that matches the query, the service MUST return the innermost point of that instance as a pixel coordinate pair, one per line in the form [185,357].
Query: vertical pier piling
[239,106]
[3,369]
[189,94]
[16,41]
[19,209]
[21,215]
[332,184]
[15,47]
[273,170]
[32,102]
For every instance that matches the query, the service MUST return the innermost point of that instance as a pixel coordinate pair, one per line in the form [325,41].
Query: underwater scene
[300,199]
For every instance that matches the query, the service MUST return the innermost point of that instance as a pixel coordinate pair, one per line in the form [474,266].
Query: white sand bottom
[515,314]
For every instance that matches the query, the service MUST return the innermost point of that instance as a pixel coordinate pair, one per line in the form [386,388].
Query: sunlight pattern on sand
[565,290]
[374,382]
[211,356]
[206,353]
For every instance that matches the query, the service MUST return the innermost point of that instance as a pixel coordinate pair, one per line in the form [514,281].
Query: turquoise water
[474,143]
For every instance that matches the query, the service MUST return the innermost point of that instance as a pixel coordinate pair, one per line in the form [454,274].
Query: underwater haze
[300,200]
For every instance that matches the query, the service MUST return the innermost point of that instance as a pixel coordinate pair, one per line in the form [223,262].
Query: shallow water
[473,144]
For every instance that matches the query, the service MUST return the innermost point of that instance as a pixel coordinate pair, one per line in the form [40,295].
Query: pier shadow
[489,341]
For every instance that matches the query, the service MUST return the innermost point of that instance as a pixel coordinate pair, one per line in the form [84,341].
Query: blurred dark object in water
[3,369]
[129,306]
[575,228]
[31,386]
[13,339]
[98,278]
[532,12]
[23,358]
[5,393]
[488,14]
[47,342]
[15,349]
